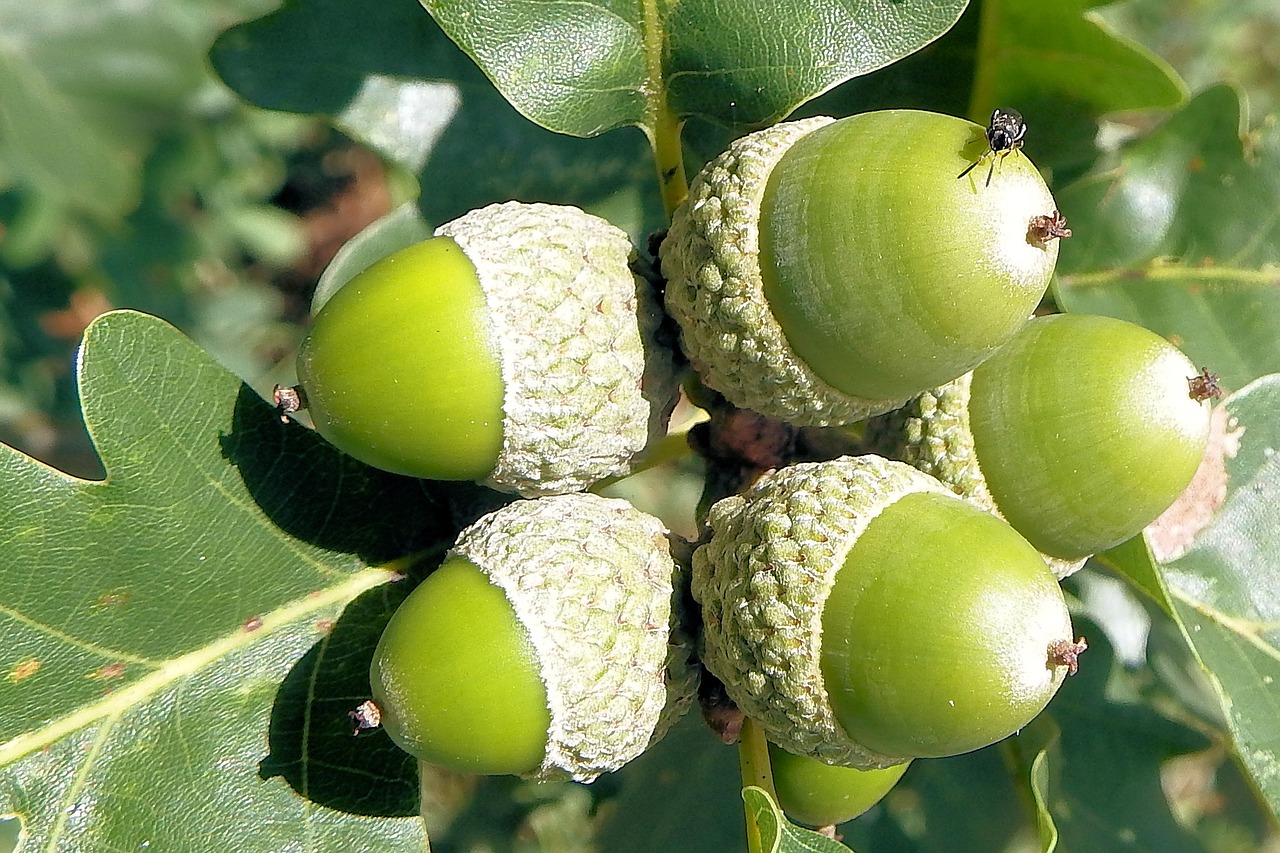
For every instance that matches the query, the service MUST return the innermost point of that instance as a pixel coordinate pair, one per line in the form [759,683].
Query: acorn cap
[711,259]
[593,582]
[586,387]
[932,433]
[763,580]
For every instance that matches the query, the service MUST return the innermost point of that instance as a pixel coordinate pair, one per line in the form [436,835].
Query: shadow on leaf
[311,742]
[316,493]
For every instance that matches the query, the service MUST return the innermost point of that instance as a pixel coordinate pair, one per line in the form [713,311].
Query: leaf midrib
[176,669]
[1177,273]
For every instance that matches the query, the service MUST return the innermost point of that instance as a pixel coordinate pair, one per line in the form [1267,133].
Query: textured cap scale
[593,582]
[711,257]
[586,386]
[763,580]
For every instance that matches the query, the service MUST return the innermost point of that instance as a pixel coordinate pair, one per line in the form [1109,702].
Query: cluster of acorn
[863,611]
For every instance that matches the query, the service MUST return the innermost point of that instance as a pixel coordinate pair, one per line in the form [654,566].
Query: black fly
[1004,134]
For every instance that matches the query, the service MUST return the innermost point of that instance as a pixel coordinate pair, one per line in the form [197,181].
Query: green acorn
[819,794]
[548,644]
[515,348]
[863,614]
[823,271]
[1079,432]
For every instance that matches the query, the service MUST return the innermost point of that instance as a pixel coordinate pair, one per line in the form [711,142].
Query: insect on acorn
[1004,134]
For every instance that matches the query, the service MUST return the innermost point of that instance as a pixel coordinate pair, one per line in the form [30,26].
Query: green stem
[662,127]
[753,757]
[1173,272]
[986,68]
[669,157]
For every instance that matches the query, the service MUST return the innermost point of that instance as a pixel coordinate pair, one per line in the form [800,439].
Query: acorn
[1079,432]
[863,614]
[823,271]
[819,794]
[515,348]
[548,644]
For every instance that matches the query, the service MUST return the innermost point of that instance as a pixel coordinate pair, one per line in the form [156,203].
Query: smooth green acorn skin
[819,794]
[400,369]
[888,274]
[456,677]
[1086,431]
[936,633]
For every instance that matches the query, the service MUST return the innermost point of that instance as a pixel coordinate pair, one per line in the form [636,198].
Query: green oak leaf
[1044,56]
[1182,235]
[1034,755]
[1209,42]
[689,766]
[1132,559]
[398,84]
[1224,588]
[1106,790]
[967,803]
[777,835]
[1040,790]
[183,640]
[587,67]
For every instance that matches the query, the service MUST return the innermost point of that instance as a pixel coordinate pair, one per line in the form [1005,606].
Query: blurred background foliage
[131,177]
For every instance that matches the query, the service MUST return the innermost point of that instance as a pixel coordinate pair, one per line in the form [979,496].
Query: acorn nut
[819,794]
[824,271]
[863,614]
[515,348]
[547,645]
[1079,432]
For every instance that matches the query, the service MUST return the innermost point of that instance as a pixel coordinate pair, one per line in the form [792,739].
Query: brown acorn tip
[1204,386]
[367,715]
[1066,653]
[288,399]
[1045,228]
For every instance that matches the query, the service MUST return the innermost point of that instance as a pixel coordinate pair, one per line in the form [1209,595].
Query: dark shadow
[311,740]
[1061,133]
[527,162]
[314,492]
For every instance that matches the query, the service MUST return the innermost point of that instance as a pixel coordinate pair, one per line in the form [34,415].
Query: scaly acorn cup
[548,644]
[515,348]
[823,271]
[819,794]
[863,614]
[1079,432]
